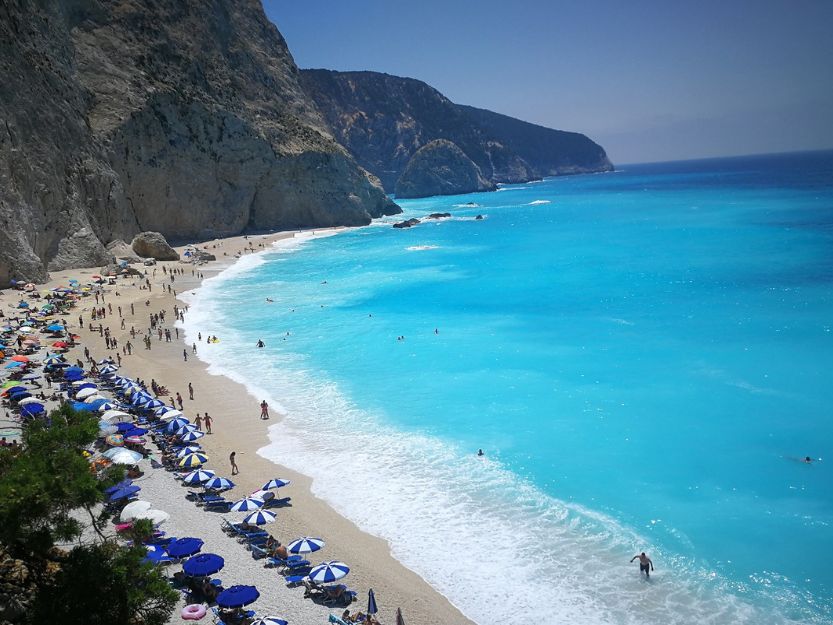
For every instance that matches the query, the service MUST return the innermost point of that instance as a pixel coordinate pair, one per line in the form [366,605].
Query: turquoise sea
[644,356]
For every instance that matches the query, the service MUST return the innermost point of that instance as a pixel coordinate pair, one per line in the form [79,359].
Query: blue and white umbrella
[198,477]
[260,517]
[246,504]
[184,429]
[327,572]
[219,483]
[269,620]
[275,483]
[174,425]
[153,404]
[191,449]
[305,545]
[108,369]
[191,436]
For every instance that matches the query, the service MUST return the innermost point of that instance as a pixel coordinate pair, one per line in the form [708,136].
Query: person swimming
[269,299]
[480,452]
[260,343]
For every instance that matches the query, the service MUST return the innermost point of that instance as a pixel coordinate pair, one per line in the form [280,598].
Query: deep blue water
[644,356]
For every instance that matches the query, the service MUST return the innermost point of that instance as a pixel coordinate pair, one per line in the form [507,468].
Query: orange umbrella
[61,344]
[20,358]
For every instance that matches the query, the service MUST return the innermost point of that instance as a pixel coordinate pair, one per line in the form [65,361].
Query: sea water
[644,357]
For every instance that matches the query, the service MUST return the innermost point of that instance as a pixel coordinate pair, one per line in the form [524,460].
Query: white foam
[420,248]
[537,202]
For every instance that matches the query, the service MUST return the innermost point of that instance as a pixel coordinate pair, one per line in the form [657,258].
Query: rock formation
[153,245]
[383,120]
[184,117]
[440,168]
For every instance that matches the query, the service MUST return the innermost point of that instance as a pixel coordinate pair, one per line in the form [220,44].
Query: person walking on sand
[190,391]
[198,422]
[264,410]
[179,400]
[207,421]
[644,563]
[234,469]
[185,355]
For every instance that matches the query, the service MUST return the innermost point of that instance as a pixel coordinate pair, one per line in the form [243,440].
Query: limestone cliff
[184,117]
[440,168]
[383,120]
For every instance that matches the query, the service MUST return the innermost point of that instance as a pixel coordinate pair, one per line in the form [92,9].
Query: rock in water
[153,245]
[440,168]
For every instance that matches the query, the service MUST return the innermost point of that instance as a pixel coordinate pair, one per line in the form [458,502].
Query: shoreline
[237,426]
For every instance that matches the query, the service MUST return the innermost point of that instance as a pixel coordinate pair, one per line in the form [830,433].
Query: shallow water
[643,356]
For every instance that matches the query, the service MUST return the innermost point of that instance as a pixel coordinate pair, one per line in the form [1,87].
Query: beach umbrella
[124,493]
[399,619]
[269,620]
[94,398]
[73,370]
[174,425]
[305,545]
[260,517]
[112,489]
[55,327]
[79,405]
[203,564]
[32,410]
[124,426]
[20,358]
[157,556]
[120,455]
[133,508]
[135,431]
[116,440]
[183,547]
[29,400]
[275,483]
[246,504]
[191,436]
[218,483]
[30,377]
[154,403]
[196,459]
[105,361]
[327,572]
[60,344]
[108,368]
[198,477]
[11,386]
[105,429]
[104,406]
[13,365]
[188,427]
[371,602]
[157,517]
[82,384]
[19,395]
[191,449]
[115,416]
[237,596]
[135,440]
[53,359]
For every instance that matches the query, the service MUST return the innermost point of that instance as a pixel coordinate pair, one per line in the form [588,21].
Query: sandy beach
[237,427]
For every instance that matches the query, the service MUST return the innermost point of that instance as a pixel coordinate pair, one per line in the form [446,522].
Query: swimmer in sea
[644,563]
[480,452]
[269,299]
[260,343]
[808,460]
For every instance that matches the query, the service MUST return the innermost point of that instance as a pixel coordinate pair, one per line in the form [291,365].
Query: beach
[237,427]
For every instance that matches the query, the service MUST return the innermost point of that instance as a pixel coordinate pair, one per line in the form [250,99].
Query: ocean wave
[537,202]
[420,248]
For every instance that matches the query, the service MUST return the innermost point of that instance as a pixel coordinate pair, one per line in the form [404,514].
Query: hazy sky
[649,81]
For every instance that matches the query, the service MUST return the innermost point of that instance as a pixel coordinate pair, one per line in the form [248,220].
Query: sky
[648,80]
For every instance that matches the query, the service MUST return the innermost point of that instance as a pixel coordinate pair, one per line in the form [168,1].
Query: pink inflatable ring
[193,612]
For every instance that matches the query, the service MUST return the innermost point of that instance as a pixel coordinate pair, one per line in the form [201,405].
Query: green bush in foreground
[43,486]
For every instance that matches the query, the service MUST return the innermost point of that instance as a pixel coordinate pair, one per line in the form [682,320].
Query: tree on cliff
[46,487]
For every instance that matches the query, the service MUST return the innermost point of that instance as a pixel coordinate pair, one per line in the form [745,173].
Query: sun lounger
[336,621]
[219,505]
[277,503]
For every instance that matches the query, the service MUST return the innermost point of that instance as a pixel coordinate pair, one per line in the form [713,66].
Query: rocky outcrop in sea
[440,168]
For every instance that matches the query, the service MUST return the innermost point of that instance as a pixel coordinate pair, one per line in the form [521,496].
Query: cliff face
[383,120]
[182,116]
[440,168]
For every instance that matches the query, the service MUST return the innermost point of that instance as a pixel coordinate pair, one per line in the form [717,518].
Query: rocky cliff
[180,116]
[440,168]
[384,120]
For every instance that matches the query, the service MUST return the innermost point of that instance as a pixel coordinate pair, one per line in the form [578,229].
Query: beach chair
[294,580]
[336,621]
[278,503]
[218,505]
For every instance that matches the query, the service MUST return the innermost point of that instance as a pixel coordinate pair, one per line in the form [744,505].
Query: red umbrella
[61,344]
[20,358]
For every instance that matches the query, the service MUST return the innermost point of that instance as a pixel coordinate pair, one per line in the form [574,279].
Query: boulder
[407,223]
[153,245]
[439,216]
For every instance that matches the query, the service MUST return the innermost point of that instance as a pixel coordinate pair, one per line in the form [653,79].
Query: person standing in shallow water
[264,410]
[644,563]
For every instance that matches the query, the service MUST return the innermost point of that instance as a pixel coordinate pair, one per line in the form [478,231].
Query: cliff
[184,117]
[440,168]
[384,120]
